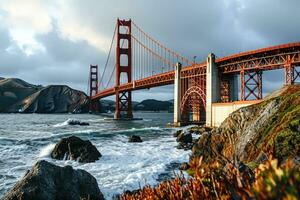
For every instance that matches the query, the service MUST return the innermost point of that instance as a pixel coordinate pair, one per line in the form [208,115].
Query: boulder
[50,182]
[74,148]
[185,137]
[177,133]
[135,138]
[77,122]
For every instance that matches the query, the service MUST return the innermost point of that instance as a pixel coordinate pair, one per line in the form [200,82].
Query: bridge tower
[123,65]
[94,105]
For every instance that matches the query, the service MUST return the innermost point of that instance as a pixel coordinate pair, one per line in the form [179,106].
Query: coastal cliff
[254,154]
[249,133]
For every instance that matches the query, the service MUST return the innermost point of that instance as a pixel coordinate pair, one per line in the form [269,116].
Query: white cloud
[27,19]
[72,27]
[24,20]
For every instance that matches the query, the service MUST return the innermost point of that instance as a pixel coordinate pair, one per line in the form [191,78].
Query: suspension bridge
[205,92]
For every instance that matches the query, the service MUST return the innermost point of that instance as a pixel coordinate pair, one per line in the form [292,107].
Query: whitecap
[46,151]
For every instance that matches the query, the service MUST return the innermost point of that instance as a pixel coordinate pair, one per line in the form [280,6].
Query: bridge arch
[194,99]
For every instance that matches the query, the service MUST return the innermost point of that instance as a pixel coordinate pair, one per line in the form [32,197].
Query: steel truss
[251,85]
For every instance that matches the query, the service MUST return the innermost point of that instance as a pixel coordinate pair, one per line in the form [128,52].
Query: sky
[54,41]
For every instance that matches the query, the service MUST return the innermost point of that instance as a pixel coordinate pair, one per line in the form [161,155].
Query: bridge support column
[289,74]
[177,95]
[212,87]
[123,98]
[94,105]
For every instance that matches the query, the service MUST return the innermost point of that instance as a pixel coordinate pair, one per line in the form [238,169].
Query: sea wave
[46,151]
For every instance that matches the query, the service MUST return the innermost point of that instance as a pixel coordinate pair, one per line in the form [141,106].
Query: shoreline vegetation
[253,154]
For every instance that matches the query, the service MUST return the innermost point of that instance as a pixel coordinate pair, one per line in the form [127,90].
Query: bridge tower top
[93,80]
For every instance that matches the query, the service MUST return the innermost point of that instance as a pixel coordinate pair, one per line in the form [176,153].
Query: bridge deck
[263,59]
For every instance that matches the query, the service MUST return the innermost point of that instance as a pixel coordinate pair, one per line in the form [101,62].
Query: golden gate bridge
[137,61]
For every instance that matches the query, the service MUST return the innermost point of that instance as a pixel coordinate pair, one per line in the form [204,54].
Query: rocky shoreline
[250,137]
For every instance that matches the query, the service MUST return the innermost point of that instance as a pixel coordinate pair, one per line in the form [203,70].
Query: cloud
[53,42]
[25,19]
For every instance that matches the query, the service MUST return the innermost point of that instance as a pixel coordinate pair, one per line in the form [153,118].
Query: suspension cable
[107,60]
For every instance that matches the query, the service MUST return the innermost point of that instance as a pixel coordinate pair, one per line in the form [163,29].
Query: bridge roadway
[264,59]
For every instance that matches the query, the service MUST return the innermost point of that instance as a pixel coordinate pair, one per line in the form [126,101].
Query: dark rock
[74,148]
[77,122]
[185,146]
[177,133]
[131,192]
[184,166]
[135,138]
[198,130]
[246,173]
[185,137]
[50,182]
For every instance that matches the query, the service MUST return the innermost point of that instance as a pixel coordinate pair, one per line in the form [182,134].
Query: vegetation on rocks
[254,154]
[211,181]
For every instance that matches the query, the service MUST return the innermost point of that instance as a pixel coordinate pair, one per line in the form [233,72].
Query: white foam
[46,151]
[126,166]
[65,123]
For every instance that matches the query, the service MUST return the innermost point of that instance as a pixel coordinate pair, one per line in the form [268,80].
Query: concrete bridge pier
[177,95]
[212,87]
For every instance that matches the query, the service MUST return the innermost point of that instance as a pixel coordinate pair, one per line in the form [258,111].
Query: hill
[13,90]
[146,105]
[17,95]
[153,105]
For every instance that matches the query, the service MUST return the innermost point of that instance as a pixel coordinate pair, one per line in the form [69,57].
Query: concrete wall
[220,111]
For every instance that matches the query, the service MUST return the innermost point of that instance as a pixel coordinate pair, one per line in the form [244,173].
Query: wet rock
[177,133]
[198,130]
[77,122]
[185,146]
[185,137]
[50,182]
[74,148]
[184,166]
[135,138]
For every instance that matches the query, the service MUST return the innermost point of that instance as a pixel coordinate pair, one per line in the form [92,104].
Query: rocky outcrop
[135,138]
[250,132]
[74,148]
[50,182]
[73,122]
[185,137]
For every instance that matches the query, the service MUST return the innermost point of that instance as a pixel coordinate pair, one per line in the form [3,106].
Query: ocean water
[27,138]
